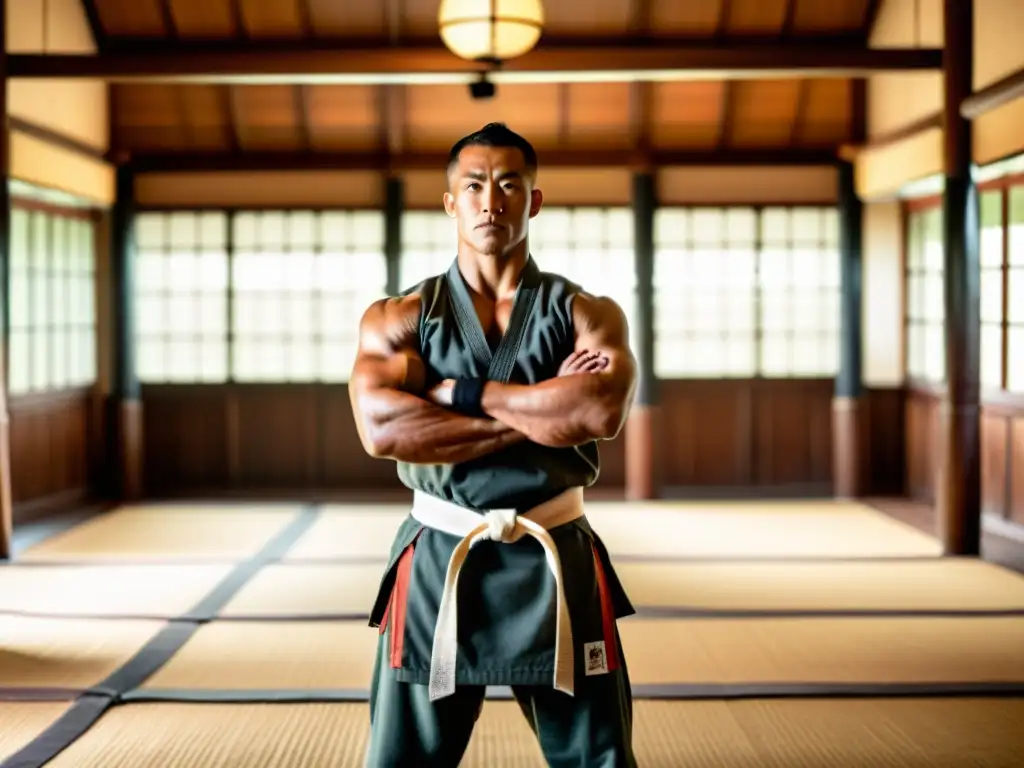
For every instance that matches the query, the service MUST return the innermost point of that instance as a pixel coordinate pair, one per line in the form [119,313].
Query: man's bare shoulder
[592,312]
[390,323]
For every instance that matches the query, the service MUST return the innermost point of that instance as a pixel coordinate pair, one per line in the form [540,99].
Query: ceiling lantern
[490,30]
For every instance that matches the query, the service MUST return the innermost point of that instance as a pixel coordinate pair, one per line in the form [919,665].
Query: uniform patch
[596,658]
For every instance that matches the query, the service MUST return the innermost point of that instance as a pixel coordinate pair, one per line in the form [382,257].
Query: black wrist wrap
[466,396]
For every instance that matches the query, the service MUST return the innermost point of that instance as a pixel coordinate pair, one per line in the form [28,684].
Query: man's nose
[493,200]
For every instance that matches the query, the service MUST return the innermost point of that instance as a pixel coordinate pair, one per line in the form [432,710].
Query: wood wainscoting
[57,451]
[302,438]
[270,439]
[1002,451]
[294,440]
[746,433]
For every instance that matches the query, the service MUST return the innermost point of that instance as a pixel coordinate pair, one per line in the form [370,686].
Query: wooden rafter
[870,15]
[803,98]
[728,88]
[167,17]
[92,15]
[303,62]
[789,20]
[238,19]
[233,121]
[306,18]
[565,114]
[301,100]
[995,95]
[367,160]
[640,102]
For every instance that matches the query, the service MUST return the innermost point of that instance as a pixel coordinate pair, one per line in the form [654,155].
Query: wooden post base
[6,497]
[847,447]
[130,449]
[958,481]
[643,468]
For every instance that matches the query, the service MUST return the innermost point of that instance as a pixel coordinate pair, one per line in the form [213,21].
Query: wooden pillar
[394,205]
[643,475]
[958,494]
[6,497]
[847,407]
[127,403]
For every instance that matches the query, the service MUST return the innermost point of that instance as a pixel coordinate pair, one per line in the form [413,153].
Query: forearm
[559,412]
[403,427]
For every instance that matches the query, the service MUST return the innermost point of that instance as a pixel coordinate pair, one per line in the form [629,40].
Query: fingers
[572,359]
[584,361]
[593,366]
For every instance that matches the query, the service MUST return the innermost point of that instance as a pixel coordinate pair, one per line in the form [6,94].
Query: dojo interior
[812,214]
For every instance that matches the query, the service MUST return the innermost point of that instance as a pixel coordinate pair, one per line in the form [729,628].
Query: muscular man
[490,386]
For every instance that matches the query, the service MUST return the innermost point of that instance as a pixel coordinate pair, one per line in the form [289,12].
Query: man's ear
[449,204]
[536,202]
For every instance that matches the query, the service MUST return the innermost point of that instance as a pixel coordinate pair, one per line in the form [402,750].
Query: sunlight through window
[52,301]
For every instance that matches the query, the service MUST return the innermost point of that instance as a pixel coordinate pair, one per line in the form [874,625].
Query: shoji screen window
[52,301]
[301,281]
[350,272]
[799,282]
[705,283]
[592,247]
[926,352]
[992,310]
[181,294]
[1015,291]
[430,242]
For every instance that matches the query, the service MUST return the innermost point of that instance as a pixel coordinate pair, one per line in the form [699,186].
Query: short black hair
[494,135]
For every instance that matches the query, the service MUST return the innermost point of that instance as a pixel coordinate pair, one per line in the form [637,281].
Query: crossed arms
[397,418]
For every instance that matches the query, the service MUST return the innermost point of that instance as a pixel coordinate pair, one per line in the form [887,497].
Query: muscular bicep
[601,326]
[387,356]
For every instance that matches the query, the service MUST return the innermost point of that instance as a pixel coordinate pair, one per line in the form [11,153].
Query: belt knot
[501,525]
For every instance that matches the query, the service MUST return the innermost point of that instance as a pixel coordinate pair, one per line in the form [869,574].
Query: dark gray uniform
[506,594]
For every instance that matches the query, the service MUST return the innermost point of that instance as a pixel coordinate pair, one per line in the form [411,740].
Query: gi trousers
[592,729]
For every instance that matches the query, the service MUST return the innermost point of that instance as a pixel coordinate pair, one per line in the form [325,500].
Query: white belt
[506,526]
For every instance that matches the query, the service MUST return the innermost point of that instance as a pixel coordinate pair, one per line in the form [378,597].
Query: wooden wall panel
[56,447]
[302,438]
[885,443]
[793,438]
[1016,462]
[185,439]
[994,431]
[747,433]
[277,436]
[922,436]
[1002,452]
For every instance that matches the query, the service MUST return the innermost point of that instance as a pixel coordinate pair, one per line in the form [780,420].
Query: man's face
[491,195]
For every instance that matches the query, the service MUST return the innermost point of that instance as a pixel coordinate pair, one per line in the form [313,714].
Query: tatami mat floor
[777,633]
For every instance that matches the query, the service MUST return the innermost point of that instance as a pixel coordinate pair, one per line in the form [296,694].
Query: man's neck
[494,277]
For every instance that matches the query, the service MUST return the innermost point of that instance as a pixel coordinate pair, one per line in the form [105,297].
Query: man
[490,386]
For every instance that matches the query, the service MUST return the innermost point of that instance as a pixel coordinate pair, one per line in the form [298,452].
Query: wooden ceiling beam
[395,64]
[370,160]
[92,15]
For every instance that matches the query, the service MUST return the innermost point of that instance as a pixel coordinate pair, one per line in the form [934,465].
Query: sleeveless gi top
[513,645]
[453,345]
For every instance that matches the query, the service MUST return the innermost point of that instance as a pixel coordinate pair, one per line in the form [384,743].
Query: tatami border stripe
[382,560]
[48,693]
[88,708]
[78,719]
[667,612]
[664,691]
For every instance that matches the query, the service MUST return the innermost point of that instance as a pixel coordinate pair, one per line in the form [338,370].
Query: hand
[441,393]
[583,361]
